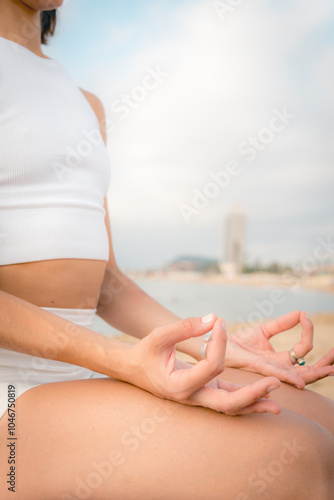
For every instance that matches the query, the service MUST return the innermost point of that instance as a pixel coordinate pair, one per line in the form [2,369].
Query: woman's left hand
[251,350]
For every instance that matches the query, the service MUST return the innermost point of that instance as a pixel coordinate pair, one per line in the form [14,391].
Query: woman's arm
[150,364]
[126,307]
[29,329]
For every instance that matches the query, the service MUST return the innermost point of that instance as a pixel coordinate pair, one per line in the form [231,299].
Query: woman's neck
[21,24]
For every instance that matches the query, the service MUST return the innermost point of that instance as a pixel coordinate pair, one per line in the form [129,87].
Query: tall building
[234,241]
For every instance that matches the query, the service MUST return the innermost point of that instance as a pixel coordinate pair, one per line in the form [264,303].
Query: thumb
[168,335]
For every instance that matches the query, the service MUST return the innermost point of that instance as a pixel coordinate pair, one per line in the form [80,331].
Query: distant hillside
[193,263]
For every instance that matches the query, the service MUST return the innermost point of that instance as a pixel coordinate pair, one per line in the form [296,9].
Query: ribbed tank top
[54,166]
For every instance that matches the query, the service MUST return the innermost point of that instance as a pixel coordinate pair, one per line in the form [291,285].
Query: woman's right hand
[154,368]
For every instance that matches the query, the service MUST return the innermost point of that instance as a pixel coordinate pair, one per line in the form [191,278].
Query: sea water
[234,303]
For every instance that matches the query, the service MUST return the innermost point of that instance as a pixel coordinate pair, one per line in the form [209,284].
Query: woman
[145,427]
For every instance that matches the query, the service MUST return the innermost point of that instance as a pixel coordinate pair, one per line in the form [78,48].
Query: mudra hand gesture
[251,350]
[154,367]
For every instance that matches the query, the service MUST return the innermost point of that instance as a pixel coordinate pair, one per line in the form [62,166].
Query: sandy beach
[321,282]
[323,342]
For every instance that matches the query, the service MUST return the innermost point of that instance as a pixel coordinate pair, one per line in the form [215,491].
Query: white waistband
[82,317]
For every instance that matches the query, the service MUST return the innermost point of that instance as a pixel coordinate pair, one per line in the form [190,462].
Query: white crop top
[54,166]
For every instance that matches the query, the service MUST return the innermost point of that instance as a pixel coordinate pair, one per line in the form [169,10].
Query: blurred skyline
[210,109]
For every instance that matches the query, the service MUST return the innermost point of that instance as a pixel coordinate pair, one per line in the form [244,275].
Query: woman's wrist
[110,357]
[85,347]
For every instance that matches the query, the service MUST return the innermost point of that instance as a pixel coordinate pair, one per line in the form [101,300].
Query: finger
[326,360]
[188,381]
[281,324]
[168,335]
[306,343]
[231,387]
[262,406]
[288,375]
[233,402]
[314,374]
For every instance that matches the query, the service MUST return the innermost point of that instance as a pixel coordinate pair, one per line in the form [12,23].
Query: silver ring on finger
[206,339]
[300,361]
[203,349]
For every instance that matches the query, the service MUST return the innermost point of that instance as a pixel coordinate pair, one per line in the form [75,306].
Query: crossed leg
[305,402]
[103,439]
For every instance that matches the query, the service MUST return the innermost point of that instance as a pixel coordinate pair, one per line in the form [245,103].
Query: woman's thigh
[104,439]
[305,402]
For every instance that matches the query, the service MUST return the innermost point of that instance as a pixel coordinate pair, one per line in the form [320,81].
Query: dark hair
[48,24]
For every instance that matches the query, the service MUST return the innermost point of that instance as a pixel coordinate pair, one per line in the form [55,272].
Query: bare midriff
[65,283]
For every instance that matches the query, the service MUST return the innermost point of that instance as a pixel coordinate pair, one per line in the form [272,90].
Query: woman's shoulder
[95,103]
[97,107]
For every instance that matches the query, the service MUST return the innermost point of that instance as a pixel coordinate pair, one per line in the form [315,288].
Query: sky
[210,105]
